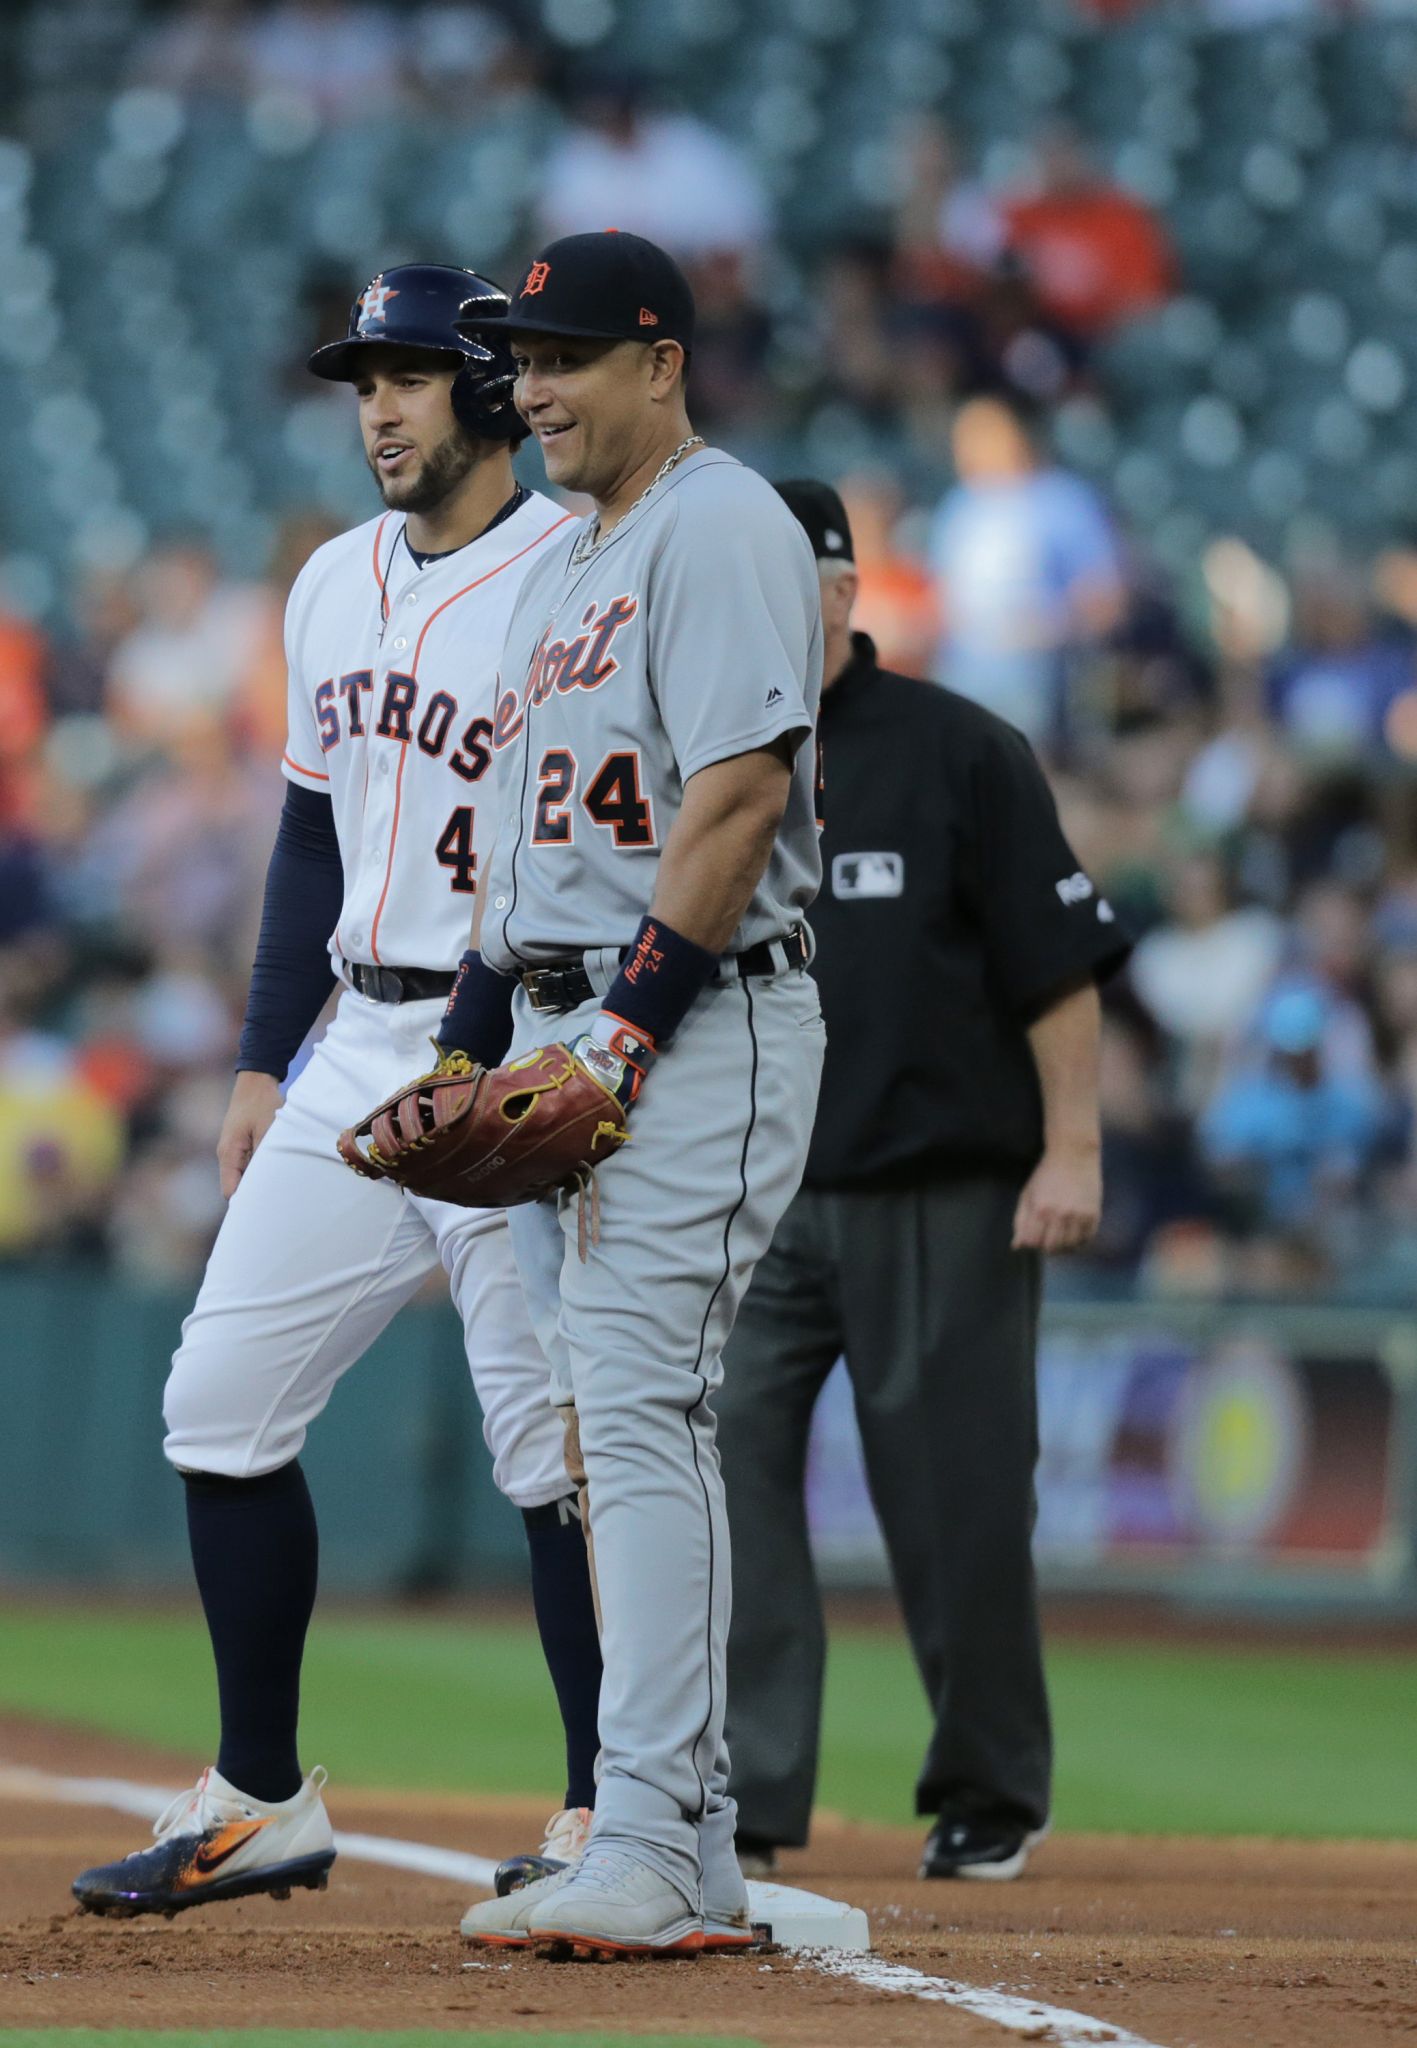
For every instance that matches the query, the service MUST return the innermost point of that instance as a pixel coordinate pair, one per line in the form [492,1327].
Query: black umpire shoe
[996,1849]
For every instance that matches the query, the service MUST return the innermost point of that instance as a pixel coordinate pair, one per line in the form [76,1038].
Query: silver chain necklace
[591,539]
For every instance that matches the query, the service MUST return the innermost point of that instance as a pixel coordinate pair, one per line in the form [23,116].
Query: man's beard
[435,480]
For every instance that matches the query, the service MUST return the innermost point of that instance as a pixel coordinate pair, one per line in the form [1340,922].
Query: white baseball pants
[312,1262]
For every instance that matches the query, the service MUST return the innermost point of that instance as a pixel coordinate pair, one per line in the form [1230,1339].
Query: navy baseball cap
[601,287]
[817,508]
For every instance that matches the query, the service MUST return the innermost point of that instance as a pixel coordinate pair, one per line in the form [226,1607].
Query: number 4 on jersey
[454,850]
[612,798]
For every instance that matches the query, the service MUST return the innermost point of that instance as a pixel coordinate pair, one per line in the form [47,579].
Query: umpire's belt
[565,985]
[397,984]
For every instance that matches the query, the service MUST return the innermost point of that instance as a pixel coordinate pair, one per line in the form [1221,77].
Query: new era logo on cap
[648,319]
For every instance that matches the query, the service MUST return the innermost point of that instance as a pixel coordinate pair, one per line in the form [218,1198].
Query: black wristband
[478,1018]
[661,977]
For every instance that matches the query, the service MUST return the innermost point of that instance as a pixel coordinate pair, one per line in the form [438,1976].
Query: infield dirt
[1220,1944]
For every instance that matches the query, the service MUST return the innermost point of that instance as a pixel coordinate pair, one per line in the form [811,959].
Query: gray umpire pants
[938,1320]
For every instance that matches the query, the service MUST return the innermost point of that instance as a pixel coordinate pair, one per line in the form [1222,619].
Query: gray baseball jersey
[691,634]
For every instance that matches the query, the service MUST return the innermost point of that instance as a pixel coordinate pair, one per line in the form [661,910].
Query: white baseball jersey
[392,691]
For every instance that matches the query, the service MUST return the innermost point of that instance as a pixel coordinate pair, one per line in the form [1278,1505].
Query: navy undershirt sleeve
[292,977]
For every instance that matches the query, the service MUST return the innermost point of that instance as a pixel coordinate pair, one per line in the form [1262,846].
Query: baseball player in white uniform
[393,633]
[656,850]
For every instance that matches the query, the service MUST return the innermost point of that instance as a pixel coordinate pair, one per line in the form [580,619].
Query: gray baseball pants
[634,1334]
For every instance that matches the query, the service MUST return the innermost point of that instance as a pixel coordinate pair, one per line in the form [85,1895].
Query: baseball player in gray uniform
[656,851]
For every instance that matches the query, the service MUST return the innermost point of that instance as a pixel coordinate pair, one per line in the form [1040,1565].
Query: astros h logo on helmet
[536,279]
[372,301]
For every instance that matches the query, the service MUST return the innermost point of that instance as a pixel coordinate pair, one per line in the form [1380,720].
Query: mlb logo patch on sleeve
[868,874]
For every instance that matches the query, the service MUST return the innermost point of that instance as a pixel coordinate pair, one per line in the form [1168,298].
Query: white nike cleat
[564,1842]
[215,1842]
[568,1834]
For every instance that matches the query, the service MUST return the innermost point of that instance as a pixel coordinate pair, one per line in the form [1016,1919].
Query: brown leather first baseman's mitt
[488,1138]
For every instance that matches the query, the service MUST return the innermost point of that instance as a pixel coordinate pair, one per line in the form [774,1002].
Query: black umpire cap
[601,287]
[818,509]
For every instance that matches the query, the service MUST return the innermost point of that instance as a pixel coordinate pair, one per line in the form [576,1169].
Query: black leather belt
[565,985]
[397,984]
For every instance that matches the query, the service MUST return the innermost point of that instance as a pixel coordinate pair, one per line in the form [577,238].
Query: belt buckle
[378,984]
[531,982]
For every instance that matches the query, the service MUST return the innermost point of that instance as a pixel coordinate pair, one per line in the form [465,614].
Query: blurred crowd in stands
[1234,748]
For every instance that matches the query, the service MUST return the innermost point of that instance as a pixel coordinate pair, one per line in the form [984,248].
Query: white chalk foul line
[1051,2024]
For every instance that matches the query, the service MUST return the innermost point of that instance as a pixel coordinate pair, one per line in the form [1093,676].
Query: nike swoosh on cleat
[210,1855]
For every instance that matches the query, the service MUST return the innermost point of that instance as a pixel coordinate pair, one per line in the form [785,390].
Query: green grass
[1151,1738]
[326,2037]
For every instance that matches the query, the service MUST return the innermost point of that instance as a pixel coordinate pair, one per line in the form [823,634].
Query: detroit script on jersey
[691,634]
[392,695]
[580,663]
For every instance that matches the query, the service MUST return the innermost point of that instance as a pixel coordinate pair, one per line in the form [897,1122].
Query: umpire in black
[959,948]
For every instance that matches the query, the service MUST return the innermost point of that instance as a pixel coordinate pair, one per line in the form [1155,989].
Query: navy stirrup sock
[570,1642]
[255,1551]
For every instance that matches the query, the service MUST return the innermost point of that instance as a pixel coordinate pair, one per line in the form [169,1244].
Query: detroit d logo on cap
[536,280]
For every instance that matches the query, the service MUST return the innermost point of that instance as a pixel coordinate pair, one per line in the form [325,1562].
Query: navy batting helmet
[415,306]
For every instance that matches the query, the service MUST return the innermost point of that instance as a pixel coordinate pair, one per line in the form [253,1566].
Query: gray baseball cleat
[613,1905]
[728,1923]
[505,1922]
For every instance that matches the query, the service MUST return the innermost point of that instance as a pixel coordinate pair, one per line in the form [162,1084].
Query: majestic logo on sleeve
[583,663]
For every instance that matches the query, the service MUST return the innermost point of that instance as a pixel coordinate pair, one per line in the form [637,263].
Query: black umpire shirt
[952,912]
